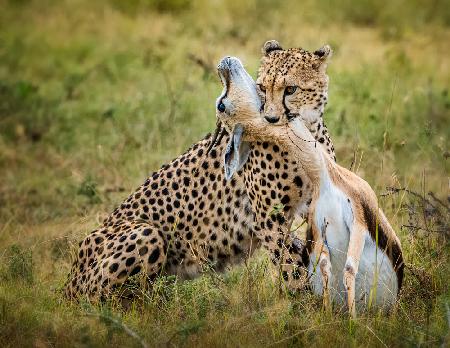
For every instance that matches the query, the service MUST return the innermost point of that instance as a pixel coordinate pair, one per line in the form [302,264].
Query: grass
[96,95]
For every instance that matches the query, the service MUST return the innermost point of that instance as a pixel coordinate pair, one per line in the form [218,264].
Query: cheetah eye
[261,88]
[221,107]
[289,90]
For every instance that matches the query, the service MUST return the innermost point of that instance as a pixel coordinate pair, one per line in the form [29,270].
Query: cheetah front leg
[286,254]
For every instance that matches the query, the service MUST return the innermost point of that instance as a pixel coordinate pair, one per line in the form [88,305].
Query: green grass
[96,95]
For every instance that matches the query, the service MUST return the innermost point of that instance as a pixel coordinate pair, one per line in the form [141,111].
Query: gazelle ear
[271,45]
[236,152]
[323,55]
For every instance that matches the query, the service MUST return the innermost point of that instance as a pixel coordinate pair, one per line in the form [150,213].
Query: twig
[123,326]
[207,68]
[415,194]
[304,221]
[303,331]
[419,228]
[115,189]
[373,333]
[432,195]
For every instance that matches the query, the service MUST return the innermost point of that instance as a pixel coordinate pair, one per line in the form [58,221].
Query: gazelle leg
[325,270]
[355,248]
[323,255]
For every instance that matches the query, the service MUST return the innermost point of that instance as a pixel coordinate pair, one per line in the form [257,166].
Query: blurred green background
[95,95]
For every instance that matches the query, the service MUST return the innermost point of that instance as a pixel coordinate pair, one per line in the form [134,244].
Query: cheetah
[348,231]
[185,215]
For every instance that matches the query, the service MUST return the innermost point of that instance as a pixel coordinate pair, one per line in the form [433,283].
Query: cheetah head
[293,82]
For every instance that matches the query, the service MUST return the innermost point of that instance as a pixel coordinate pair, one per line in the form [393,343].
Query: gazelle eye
[221,107]
[290,90]
[261,88]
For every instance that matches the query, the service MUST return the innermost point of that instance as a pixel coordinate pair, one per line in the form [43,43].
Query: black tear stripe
[287,112]
[391,248]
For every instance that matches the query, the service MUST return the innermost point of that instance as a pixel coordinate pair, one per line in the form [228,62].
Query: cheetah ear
[271,45]
[323,55]
[236,153]
[324,52]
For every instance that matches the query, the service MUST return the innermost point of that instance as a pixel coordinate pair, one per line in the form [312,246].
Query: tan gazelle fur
[348,231]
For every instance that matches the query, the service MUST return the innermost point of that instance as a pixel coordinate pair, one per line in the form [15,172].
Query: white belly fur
[374,267]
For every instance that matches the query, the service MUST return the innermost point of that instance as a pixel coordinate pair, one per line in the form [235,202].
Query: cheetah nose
[272,118]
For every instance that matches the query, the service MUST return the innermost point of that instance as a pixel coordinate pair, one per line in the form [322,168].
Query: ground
[96,95]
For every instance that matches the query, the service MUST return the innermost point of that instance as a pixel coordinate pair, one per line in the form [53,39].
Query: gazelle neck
[296,138]
[309,152]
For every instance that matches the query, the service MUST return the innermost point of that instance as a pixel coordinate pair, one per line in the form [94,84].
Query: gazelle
[354,254]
